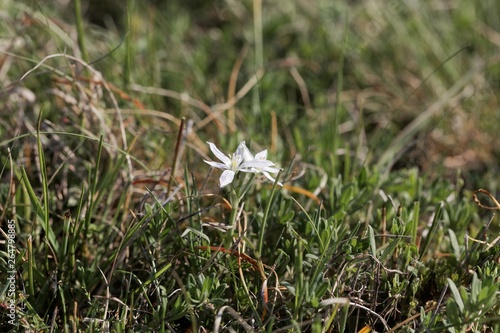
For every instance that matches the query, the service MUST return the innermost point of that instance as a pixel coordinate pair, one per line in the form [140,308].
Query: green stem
[235,202]
[266,214]
[31,263]
[80,30]
[246,188]
[127,64]
[299,276]
[259,51]
[335,138]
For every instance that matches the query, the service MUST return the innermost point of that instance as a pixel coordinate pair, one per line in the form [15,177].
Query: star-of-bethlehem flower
[241,160]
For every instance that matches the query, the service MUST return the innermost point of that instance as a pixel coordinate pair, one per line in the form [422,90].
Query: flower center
[235,162]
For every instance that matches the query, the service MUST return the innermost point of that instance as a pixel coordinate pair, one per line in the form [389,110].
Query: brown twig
[478,202]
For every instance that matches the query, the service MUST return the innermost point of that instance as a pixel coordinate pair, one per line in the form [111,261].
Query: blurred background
[393,84]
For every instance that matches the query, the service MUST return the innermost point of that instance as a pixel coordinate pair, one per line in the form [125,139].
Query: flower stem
[235,202]
[246,188]
[264,220]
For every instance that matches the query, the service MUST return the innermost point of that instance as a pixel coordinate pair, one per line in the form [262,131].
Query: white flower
[261,156]
[241,160]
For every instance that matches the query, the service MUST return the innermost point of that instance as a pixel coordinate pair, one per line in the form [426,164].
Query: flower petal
[262,155]
[270,169]
[258,164]
[268,176]
[250,170]
[216,164]
[226,178]
[245,152]
[220,155]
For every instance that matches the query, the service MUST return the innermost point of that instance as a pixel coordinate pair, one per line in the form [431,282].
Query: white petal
[262,155]
[247,155]
[270,169]
[258,164]
[216,164]
[226,178]
[220,155]
[250,170]
[268,176]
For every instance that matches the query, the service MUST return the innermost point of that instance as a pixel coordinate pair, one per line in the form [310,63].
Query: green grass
[382,115]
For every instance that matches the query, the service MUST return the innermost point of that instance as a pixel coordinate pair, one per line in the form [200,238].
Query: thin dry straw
[97,75]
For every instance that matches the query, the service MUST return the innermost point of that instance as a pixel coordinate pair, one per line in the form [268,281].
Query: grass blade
[432,232]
